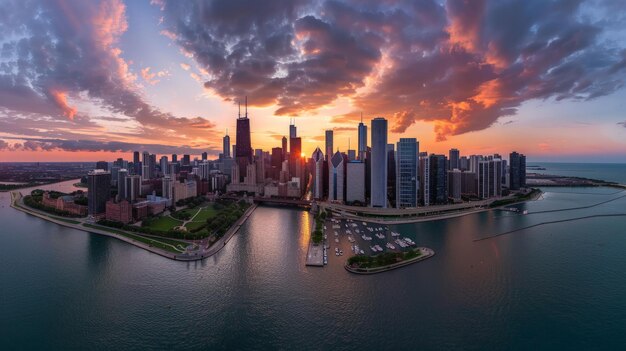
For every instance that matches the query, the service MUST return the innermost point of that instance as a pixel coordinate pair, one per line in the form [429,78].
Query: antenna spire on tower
[361,116]
[239,113]
[246,106]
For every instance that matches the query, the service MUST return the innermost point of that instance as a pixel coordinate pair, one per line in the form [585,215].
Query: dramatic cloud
[56,54]
[95,146]
[459,64]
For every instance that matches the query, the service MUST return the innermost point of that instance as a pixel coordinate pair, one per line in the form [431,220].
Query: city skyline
[474,93]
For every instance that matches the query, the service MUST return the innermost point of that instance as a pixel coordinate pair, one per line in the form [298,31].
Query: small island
[361,264]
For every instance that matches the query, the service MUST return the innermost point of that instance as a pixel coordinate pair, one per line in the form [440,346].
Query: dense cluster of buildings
[377,174]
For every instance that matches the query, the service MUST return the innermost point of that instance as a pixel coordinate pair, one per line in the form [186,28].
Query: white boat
[348,232]
[361,252]
[378,247]
[390,246]
[324,227]
[336,233]
[395,234]
[364,223]
[336,240]
[373,249]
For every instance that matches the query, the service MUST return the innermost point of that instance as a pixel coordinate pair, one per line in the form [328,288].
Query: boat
[390,246]
[336,240]
[373,248]
[364,223]
[361,252]
[395,234]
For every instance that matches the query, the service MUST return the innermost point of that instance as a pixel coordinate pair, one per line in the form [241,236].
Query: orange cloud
[60,99]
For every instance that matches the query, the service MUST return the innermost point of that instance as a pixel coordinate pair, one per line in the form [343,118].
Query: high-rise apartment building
[407,175]
[378,186]
[517,171]
[489,178]
[98,191]
[454,156]
[438,180]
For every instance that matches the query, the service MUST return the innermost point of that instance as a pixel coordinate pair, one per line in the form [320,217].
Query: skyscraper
[391,174]
[204,156]
[293,131]
[121,183]
[284,147]
[295,157]
[362,149]
[455,185]
[145,165]
[98,191]
[454,159]
[336,177]
[517,171]
[132,188]
[424,169]
[164,165]
[166,190]
[318,173]
[329,144]
[226,146]
[244,146]
[136,163]
[378,184]
[355,187]
[174,158]
[489,178]
[407,180]
[438,180]
[186,160]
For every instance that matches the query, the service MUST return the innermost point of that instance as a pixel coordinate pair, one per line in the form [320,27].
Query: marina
[379,238]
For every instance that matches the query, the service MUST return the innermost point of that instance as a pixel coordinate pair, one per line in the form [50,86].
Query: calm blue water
[558,286]
[611,172]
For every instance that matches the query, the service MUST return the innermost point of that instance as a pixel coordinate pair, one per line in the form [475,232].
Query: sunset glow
[100,80]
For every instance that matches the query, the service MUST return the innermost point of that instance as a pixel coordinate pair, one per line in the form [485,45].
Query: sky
[95,80]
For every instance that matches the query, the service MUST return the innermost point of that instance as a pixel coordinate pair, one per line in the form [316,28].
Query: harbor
[345,237]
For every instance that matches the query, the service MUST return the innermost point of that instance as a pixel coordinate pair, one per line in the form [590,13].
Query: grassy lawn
[206,213]
[165,223]
[202,216]
[160,243]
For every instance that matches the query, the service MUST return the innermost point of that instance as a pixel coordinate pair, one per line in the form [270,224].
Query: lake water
[555,286]
[611,172]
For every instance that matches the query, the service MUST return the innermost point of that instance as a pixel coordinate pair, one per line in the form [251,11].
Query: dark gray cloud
[461,64]
[44,144]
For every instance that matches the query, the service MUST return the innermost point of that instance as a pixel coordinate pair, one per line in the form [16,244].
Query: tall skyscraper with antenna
[226,145]
[244,146]
[362,139]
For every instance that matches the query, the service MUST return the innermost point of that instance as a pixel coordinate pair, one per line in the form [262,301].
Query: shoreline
[426,253]
[436,217]
[185,257]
